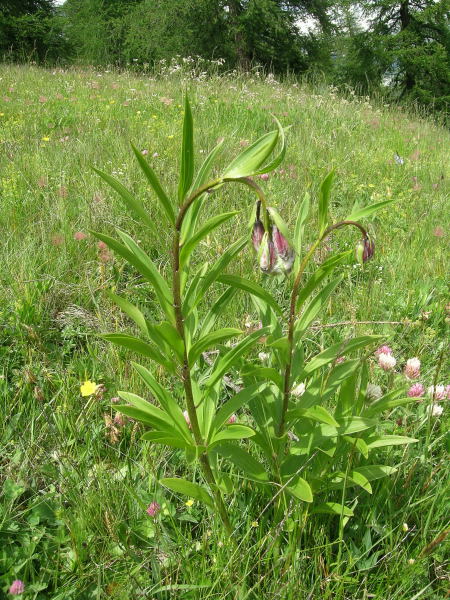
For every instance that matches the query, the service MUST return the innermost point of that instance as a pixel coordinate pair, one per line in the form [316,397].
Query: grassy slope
[91,537]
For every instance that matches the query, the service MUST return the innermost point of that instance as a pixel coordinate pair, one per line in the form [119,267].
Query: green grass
[73,520]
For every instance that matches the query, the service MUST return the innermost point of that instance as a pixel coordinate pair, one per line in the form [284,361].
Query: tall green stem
[186,372]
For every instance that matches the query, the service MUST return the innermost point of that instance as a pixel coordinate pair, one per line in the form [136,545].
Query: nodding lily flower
[365,249]
[274,252]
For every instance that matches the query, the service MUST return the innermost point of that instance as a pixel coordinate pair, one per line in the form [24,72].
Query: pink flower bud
[416,390]
[232,419]
[412,368]
[264,176]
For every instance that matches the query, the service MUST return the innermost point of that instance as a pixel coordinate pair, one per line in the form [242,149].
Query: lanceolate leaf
[226,362]
[386,403]
[347,426]
[363,213]
[217,309]
[209,340]
[137,345]
[324,201]
[158,437]
[319,275]
[145,266]
[300,488]
[154,182]
[209,226]
[188,488]
[339,349]
[313,308]
[131,310]
[303,212]
[165,399]
[253,157]
[380,441]
[187,152]
[316,413]
[234,404]
[252,288]
[190,220]
[252,468]
[280,156]
[131,202]
[220,265]
[232,432]
[332,508]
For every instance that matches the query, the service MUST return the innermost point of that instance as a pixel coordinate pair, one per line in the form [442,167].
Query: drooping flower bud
[257,234]
[284,251]
[364,250]
[268,256]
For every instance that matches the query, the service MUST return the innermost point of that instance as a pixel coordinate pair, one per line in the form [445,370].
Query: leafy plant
[305,447]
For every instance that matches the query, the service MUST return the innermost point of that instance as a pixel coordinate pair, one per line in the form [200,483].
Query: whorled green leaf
[187,152]
[188,488]
[154,182]
[172,338]
[339,479]
[225,362]
[252,288]
[130,201]
[267,373]
[209,340]
[244,461]
[273,164]
[191,243]
[324,201]
[386,403]
[190,219]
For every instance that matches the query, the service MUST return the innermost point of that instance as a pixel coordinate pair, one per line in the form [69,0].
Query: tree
[415,35]
[31,30]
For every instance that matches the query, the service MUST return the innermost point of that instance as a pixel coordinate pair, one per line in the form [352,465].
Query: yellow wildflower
[88,388]
[45,139]
[190,503]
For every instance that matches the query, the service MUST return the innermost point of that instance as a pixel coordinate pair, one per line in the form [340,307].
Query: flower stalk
[292,311]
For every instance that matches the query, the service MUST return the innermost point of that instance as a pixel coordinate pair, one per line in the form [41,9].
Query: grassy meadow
[75,484]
